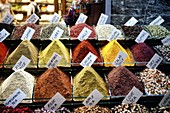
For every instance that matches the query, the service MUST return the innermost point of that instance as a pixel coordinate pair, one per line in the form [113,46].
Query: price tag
[32,19]
[57,33]
[14,99]
[115,33]
[102,20]
[55,102]
[54,60]
[131,22]
[142,36]
[88,60]
[93,98]
[166,41]
[7,19]
[3,35]
[133,96]
[82,19]
[22,63]
[165,100]
[56,18]
[154,62]
[158,21]
[120,58]
[28,33]
[84,34]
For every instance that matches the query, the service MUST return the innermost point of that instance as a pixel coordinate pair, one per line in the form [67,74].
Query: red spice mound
[50,82]
[121,81]
[3,51]
[82,49]
[76,30]
[20,109]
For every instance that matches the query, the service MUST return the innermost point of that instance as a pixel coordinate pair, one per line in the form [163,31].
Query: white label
[142,36]
[55,102]
[158,21]
[166,41]
[22,63]
[84,34]
[57,33]
[88,60]
[102,20]
[131,22]
[154,62]
[28,33]
[165,100]
[82,19]
[115,33]
[93,98]
[133,96]
[54,60]
[56,18]
[14,99]
[3,35]
[120,58]
[32,19]
[7,19]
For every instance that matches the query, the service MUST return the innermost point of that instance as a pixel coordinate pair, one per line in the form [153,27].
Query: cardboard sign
[115,33]
[32,19]
[55,102]
[93,98]
[56,18]
[54,60]
[133,96]
[165,100]
[102,20]
[166,41]
[28,33]
[154,62]
[57,33]
[82,19]
[131,22]
[120,58]
[7,19]
[84,34]
[88,60]
[158,21]
[142,36]
[3,35]
[14,99]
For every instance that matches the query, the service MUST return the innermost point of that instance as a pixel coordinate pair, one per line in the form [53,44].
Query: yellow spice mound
[57,47]
[111,50]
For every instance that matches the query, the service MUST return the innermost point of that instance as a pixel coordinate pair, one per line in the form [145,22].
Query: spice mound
[142,53]
[58,47]
[18,32]
[3,52]
[18,79]
[130,108]
[55,80]
[111,50]
[86,81]
[91,109]
[48,30]
[76,30]
[19,109]
[27,49]
[157,31]
[121,81]
[155,81]
[81,50]
[59,110]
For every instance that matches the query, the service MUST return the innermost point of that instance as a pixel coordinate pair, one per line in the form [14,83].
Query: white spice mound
[104,31]
[18,79]
[155,81]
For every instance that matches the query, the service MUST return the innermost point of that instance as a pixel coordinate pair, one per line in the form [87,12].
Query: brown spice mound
[52,81]
[121,81]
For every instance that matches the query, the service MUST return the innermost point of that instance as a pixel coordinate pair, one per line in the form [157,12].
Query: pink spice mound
[121,81]
[142,53]
[76,30]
